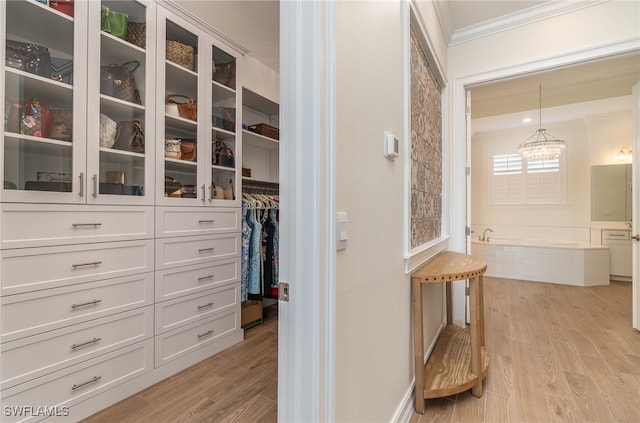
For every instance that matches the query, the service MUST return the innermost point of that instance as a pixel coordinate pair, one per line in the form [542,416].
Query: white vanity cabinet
[620,253]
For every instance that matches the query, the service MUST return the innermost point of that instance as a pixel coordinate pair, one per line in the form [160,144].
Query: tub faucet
[484,237]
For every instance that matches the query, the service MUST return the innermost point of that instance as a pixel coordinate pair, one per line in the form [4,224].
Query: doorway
[516,94]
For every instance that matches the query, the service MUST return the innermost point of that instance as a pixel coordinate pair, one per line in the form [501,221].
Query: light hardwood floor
[557,354]
[238,384]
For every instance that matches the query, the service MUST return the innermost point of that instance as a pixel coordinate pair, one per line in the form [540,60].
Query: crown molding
[176,8]
[443,13]
[513,20]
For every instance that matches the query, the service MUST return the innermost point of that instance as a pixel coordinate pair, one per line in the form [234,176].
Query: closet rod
[260,187]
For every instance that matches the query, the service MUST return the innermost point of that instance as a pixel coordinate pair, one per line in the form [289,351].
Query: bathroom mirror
[611,192]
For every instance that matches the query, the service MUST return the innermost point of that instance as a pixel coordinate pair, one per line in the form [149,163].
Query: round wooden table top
[450,266]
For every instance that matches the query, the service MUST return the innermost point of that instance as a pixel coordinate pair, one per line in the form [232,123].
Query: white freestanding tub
[552,261]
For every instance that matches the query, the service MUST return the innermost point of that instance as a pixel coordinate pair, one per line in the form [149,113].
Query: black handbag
[223,155]
[129,137]
[28,57]
[118,81]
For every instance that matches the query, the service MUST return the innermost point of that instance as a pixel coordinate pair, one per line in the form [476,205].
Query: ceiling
[255,25]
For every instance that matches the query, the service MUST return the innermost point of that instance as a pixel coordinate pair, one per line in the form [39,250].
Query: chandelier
[541,145]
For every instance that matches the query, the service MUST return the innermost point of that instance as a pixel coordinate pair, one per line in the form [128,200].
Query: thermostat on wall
[390,146]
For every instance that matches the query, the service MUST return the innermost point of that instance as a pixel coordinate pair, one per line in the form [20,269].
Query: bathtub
[563,262]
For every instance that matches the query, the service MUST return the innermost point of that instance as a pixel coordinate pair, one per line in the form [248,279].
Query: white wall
[373,323]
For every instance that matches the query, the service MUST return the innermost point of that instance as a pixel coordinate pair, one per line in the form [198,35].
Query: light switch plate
[342,230]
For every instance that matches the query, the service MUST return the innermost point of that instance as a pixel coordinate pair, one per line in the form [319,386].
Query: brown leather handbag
[187,109]
[188,149]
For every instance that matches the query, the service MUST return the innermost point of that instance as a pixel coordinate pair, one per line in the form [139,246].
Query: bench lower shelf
[448,370]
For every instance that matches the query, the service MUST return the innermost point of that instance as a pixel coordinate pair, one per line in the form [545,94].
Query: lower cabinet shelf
[448,370]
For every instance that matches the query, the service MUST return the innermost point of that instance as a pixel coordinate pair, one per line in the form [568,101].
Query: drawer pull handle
[93,263]
[204,306]
[77,225]
[206,221]
[204,278]
[94,379]
[204,250]
[93,341]
[93,302]
[207,333]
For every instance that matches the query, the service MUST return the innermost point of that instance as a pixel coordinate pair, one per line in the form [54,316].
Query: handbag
[228,191]
[223,155]
[188,150]
[62,70]
[180,53]
[136,33]
[62,125]
[28,118]
[108,130]
[64,6]
[217,193]
[118,81]
[172,188]
[187,109]
[172,148]
[129,137]
[224,118]
[113,22]
[28,57]
[225,74]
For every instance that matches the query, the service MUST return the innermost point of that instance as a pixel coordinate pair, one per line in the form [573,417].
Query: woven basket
[180,54]
[266,130]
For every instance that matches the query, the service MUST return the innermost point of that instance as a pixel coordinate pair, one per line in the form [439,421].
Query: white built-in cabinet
[107,283]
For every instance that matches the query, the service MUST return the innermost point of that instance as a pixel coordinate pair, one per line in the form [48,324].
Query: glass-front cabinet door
[121,97]
[44,80]
[179,142]
[225,150]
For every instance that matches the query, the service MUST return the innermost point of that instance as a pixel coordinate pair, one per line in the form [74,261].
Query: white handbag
[108,131]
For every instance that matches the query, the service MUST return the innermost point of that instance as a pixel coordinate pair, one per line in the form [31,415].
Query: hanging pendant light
[541,145]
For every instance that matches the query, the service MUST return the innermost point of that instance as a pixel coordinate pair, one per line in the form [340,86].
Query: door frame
[461,139]
[306,323]
[635,201]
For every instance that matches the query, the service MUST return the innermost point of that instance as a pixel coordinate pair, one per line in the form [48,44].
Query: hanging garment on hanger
[268,229]
[276,259]
[246,241]
[255,262]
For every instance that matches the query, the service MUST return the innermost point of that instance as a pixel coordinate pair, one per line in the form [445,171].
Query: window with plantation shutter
[515,181]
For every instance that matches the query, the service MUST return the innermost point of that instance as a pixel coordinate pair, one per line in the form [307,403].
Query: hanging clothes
[255,263]
[275,279]
[244,257]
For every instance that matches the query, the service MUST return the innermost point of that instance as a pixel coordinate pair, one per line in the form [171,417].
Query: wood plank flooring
[238,384]
[557,354]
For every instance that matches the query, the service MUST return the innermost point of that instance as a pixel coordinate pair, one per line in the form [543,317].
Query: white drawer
[25,225]
[173,344]
[23,360]
[174,252]
[181,311]
[615,234]
[171,221]
[30,269]
[35,312]
[74,384]
[176,282]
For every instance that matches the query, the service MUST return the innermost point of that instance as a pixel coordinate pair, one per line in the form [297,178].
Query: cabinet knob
[636,237]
